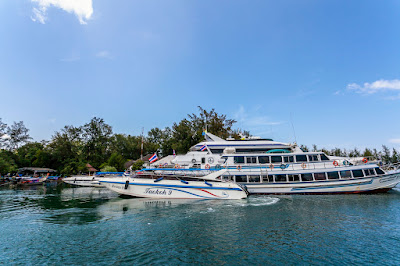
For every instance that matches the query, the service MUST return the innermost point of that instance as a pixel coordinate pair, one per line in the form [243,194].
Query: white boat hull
[147,188]
[361,185]
[83,181]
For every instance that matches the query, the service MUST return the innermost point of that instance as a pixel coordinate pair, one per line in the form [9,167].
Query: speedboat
[82,180]
[90,180]
[151,185]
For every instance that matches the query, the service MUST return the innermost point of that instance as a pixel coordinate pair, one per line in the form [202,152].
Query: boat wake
[256,201]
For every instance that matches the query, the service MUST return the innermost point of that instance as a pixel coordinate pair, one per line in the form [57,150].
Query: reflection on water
[54,225]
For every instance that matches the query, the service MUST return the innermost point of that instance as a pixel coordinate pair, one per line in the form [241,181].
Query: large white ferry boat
[284,169]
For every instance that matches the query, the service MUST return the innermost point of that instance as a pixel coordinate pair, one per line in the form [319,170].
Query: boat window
[217,151]
[369,172]
[319,176]
[280,178]
[263,159]
[313,158]
[333,175]
[357,173]
[276,159]
[227,178]
[251,160]
[379,171]
[254,150]
[307,177]
[203,160]
[324,157]
[345,174]
[293,178]
[268,178]
[238,159]
[241,178]
[254,178]
[288,159]
[301,158]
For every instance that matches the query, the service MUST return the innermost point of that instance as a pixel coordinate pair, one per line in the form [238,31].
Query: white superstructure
[207,154]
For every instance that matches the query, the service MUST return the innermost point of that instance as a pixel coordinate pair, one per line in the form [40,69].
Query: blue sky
[332,67]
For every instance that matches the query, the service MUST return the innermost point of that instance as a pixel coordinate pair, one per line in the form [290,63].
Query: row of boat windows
[279,159]
[242,150]
[346,174]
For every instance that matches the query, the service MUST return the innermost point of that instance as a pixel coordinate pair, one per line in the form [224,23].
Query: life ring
[239,167]
[335,163]
[193,160]
[365,160]
[176,165]
[271,166]
[303,165]
[207,166]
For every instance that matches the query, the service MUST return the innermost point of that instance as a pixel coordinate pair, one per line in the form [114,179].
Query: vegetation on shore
[71,148]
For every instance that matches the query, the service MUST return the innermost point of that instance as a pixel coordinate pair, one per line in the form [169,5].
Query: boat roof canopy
[36,169]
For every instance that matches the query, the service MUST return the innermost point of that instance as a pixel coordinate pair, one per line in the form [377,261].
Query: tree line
[71,148]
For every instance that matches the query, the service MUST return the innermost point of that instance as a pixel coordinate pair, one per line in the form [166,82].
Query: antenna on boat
[294,132]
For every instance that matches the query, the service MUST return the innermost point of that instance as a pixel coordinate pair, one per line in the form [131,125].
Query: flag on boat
[153,158]
[203,148]
[173,153]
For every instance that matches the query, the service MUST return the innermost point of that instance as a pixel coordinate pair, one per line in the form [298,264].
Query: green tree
[97,138]
[7,162]
[66,148]
[27,154]
[386,156]
[117,160]
[137,165]
[367,153]
[126,145]
[395,156]
[159,139]
[18,134]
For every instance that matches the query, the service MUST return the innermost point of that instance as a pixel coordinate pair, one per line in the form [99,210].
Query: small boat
[90,180]
[82,180]
[151,185]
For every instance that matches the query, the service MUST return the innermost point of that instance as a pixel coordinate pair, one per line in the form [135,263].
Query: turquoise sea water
[89,226]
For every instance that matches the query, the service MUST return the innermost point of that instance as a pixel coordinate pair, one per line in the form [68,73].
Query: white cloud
[83,9]
[255,123]
[376,86]
[104,54]
[394,141]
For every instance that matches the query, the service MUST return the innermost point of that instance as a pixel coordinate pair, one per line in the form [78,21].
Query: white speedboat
[90,180]
[150,185]
[82,180]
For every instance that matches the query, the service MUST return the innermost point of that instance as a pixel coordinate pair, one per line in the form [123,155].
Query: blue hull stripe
[196,194]
[170,186]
